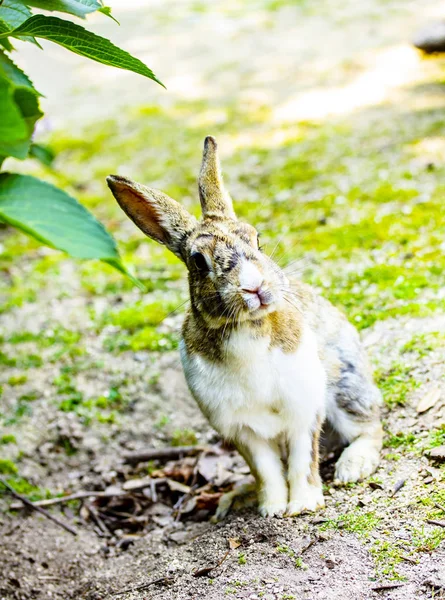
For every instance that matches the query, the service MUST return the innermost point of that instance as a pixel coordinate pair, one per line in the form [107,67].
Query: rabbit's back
[352,396]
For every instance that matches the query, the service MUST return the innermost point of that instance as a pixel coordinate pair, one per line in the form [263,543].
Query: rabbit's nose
[253,289]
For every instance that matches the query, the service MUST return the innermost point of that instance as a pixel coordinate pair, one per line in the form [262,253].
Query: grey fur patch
[354,393]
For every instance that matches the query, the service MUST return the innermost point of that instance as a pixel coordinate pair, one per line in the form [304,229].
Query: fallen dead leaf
[208,501]
[234,543]
[208,466]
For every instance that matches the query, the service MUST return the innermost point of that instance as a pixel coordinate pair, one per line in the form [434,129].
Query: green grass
[423,344]
[8,438]
[396,384]
[427,539]
[375,246]
[387,555]
[18,379]
[356,521]
[389,552]
[132,318]
[184,437]
[102,409]
[403,440]
[21,361]
[23,487]
[436,437]
[7,467]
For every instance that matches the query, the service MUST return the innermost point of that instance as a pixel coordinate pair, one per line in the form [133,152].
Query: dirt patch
[275,559]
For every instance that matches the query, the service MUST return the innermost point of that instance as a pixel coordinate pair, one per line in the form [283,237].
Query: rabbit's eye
[200,262]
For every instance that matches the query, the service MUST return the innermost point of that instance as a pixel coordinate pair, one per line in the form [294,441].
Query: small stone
[431,38]
[163,520]
[175,567]
[374,485]
[136,484]
[438,453]
[180,537]
[429,399]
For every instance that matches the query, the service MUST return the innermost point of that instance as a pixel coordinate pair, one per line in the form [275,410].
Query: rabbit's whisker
[280,239]
[173,311]
[294,305]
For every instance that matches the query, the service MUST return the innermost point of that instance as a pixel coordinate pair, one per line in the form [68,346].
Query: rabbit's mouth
[258,300]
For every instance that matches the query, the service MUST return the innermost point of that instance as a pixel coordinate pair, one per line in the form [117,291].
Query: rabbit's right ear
[155,213]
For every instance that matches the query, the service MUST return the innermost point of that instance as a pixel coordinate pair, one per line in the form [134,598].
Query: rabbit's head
[230,278]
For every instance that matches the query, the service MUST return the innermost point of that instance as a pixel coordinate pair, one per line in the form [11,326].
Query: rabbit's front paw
[309,498]
[242,496]
[272,509]
[356,462]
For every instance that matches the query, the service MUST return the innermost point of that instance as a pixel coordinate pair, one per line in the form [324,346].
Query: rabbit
[268,361]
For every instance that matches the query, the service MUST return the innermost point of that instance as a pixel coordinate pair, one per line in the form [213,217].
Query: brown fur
[215,200]
[314,476]
[157,215]
[224,262]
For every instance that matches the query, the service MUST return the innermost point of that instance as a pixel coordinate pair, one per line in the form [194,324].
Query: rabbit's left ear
[215,199]
[156,214]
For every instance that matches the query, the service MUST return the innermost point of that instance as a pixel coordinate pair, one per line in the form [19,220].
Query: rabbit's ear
[215,200]
[157,215]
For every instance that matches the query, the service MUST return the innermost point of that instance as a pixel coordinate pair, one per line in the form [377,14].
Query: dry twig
[164,580]
[38,509]
[169,453]
[437,523]
[76,496]
[399,485]
[386,586]
[207,570]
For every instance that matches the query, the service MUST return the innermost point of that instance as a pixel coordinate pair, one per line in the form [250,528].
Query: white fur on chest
[258,388]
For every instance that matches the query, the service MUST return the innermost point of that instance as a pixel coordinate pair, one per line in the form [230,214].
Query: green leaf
[83,42]
[42,153]
[13,13]
[19,108]
[53,217]
[9,70]
[4,27]
[79,8]
[106,10]
[28,104]
[14,133]
[6,43]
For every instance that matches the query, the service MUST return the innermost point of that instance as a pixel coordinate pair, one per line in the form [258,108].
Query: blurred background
[331,131]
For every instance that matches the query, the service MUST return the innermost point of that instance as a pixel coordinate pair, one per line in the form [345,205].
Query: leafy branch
[35,207]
